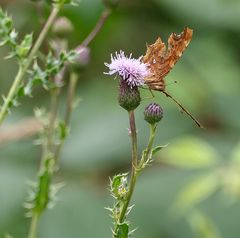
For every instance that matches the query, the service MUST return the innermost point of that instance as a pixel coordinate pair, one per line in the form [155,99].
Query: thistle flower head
[131,70]
[128,98]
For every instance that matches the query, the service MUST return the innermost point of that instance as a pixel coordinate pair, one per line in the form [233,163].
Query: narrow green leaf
[196,191]
[158,148]
[202,225]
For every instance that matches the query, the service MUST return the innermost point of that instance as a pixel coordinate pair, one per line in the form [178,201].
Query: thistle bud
[129,97]
[153,113]
[62,27]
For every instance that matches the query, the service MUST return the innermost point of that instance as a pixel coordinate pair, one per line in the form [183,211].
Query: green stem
[52,117]
[71,95]
[47,148]
[134,166]
[23,68]
[11,94]
[148,150]
[33,227]
[70,101]
[104,16]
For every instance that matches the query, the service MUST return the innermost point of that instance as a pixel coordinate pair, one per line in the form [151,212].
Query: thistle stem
[146,155]
[54,103]
[70,101]
[52,117]
[24,67]
[134,166]
[104,16]
[70,97]
[11,94]
[47,148]
[33,226]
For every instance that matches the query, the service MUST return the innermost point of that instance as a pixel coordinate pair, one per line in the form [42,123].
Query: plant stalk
[146,155]
[33,226]
[70,101]
[52,118]
[134,166]
[24,67]
[104,16]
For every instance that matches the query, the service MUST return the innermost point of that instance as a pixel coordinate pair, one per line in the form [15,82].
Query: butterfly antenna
[184,110]
[174,82]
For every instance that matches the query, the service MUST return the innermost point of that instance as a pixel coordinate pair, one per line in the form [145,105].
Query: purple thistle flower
[133,71]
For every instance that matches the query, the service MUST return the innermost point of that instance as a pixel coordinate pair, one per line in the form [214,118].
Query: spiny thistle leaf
[61,131]
[119,186]
[122,230]
[158,148]
[9,36]
[53,67]
[40,194]
[23,48]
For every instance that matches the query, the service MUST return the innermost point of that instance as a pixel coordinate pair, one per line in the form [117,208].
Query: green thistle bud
[153,113]
[129,98]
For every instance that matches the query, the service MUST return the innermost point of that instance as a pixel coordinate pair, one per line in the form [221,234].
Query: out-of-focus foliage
[199,170]
[203,226]
[190,153]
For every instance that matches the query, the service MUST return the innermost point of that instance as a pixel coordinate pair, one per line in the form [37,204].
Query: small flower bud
[153,113]
[129,98]
[62,27]
[81,60]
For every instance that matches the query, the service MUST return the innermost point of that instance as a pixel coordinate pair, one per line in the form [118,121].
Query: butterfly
[161,59]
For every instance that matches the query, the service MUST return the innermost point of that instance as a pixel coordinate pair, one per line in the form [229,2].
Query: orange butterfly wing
[161,59]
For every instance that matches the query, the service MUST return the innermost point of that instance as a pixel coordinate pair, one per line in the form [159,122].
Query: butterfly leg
[150,97]
[183,109]
[153,96]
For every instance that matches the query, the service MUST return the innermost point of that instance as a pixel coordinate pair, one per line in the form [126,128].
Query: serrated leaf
[23,48]
[13,34]
[62,130]
[41,192]
[158,148]
[196,191]
[20,91]
[119,185]
[189,152]
[10,55]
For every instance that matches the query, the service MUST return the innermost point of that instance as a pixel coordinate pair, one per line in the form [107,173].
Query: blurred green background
[193,188]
